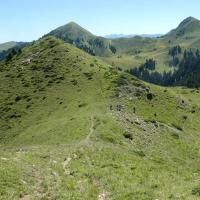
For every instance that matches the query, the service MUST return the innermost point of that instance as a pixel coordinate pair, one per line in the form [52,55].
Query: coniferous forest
[186,70]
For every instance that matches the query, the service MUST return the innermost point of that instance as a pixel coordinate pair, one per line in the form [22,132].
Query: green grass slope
[132,52]
[72,127]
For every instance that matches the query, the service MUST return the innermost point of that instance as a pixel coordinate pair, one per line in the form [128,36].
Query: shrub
[18,98]
[82,105]
[128,136]
[150,96]
[139,153]
[121,81]
[196,191]
[88,75]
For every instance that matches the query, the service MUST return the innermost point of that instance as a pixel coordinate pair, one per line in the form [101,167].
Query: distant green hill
[6,48]
[74,34]
[7,45]
[135,45]
[74,127]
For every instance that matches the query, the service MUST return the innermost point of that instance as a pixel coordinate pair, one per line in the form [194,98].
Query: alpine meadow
[89,117]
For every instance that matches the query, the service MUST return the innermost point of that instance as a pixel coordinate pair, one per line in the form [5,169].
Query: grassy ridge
[72,127]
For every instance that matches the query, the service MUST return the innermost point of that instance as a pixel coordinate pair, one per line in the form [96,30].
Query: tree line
[186,74]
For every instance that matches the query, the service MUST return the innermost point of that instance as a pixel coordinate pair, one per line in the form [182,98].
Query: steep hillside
[72,127]
[74,34]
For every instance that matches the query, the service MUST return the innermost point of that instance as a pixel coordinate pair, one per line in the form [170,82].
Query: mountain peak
[190,18]
[70,31]
[188,26]
[187,21]
[72,23]
[74,34]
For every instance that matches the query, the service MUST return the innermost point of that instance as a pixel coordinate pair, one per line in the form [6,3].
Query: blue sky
[26,20]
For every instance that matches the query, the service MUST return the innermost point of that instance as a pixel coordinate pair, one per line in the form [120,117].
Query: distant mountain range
[116,36]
